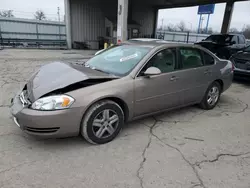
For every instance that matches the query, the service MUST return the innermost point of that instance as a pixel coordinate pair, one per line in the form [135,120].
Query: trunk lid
[212,46]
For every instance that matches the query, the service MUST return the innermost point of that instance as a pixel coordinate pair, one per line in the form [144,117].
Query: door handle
[174,78]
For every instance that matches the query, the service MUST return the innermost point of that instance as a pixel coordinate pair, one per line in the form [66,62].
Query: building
[95,21]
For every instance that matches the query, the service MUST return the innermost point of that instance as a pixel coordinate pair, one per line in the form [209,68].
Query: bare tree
[7,13]
[233,30]
[210,30]
[170,27]
[39,15]
[181,26]
[246,31]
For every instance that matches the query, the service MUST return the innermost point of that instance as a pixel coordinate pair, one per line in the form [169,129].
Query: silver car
[126,82]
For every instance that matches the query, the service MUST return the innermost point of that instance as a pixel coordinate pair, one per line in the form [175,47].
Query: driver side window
[164,60]
[235,40]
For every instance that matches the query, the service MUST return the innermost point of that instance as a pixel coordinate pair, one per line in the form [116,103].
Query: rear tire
[102,122]
[212,96]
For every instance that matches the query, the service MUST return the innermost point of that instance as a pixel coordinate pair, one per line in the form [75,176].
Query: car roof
[157,43]
[220,34]
[145,39]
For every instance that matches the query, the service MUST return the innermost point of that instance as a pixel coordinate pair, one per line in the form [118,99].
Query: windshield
[247,49]
[221,39]
[118,60]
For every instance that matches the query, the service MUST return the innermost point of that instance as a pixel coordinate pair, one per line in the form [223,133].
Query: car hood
[212,46]
[242,55]
[58,75]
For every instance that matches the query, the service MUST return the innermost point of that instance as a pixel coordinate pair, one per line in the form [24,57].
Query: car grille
[241,64]
[42,130]
[24,98]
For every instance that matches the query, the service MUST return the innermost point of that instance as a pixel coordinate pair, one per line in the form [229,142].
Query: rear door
[196,74]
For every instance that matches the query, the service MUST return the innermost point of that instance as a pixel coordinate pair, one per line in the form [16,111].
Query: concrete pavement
[185,148]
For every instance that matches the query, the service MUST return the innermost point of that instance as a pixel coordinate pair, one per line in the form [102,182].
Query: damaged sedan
[126,82]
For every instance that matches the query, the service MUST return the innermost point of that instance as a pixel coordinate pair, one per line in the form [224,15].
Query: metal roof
[181,3]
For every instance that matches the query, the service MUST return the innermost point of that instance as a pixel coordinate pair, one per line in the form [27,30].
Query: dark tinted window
[235,39]
[164,60]
[220,39]
[208,59]
[241,40]
[190,58]
[247,49]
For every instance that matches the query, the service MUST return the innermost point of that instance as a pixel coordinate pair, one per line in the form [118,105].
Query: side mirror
[151,71]
[233,42]
[100,51]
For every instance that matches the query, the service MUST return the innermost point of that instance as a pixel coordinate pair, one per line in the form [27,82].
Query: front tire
[102,122]
[212,96]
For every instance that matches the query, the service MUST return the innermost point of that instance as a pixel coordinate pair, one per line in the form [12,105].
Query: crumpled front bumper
[49,124]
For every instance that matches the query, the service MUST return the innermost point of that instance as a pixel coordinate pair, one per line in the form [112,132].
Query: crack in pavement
[193,186]
[218,156]
[183,121]
[170,146]
[14,167]
[141,167]
[241,111]
[4,106]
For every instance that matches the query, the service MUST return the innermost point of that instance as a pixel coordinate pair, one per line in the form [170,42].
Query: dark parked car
[224,45]
[241,61]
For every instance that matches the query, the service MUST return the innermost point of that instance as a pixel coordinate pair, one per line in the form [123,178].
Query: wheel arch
[221,83]
[117,100]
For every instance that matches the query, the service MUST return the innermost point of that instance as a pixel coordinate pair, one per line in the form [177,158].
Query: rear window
[208,59]
[221,39]
[191,58]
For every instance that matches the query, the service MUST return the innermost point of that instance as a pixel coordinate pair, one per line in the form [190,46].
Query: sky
[27,8]
[241,14]
[240,17]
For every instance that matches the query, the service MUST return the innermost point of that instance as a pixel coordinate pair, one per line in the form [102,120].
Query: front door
[161,91]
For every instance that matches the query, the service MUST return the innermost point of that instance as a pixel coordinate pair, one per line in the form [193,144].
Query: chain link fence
[185,37]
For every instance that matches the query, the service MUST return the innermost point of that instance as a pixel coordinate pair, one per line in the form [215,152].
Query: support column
[156,13]
[122,21]
[227,17]
[68,23]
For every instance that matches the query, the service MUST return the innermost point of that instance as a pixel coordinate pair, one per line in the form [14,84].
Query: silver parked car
[126,82]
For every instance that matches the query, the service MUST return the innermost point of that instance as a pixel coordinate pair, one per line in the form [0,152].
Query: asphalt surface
[186,148]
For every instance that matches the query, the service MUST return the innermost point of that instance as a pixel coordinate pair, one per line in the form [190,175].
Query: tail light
[232,64]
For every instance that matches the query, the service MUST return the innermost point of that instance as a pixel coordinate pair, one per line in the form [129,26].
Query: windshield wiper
[99,70]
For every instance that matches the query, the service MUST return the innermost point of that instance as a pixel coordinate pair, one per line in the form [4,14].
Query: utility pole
[58,13]
[162,20]
[202,19]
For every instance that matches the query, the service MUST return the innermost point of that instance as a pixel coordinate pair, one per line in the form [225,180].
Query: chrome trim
[24,101]
[15,120]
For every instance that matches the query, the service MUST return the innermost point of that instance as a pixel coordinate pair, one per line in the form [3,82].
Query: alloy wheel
[105,123]
[213,95]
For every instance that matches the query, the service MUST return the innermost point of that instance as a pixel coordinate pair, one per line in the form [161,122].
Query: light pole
[191,25]
[58,13]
